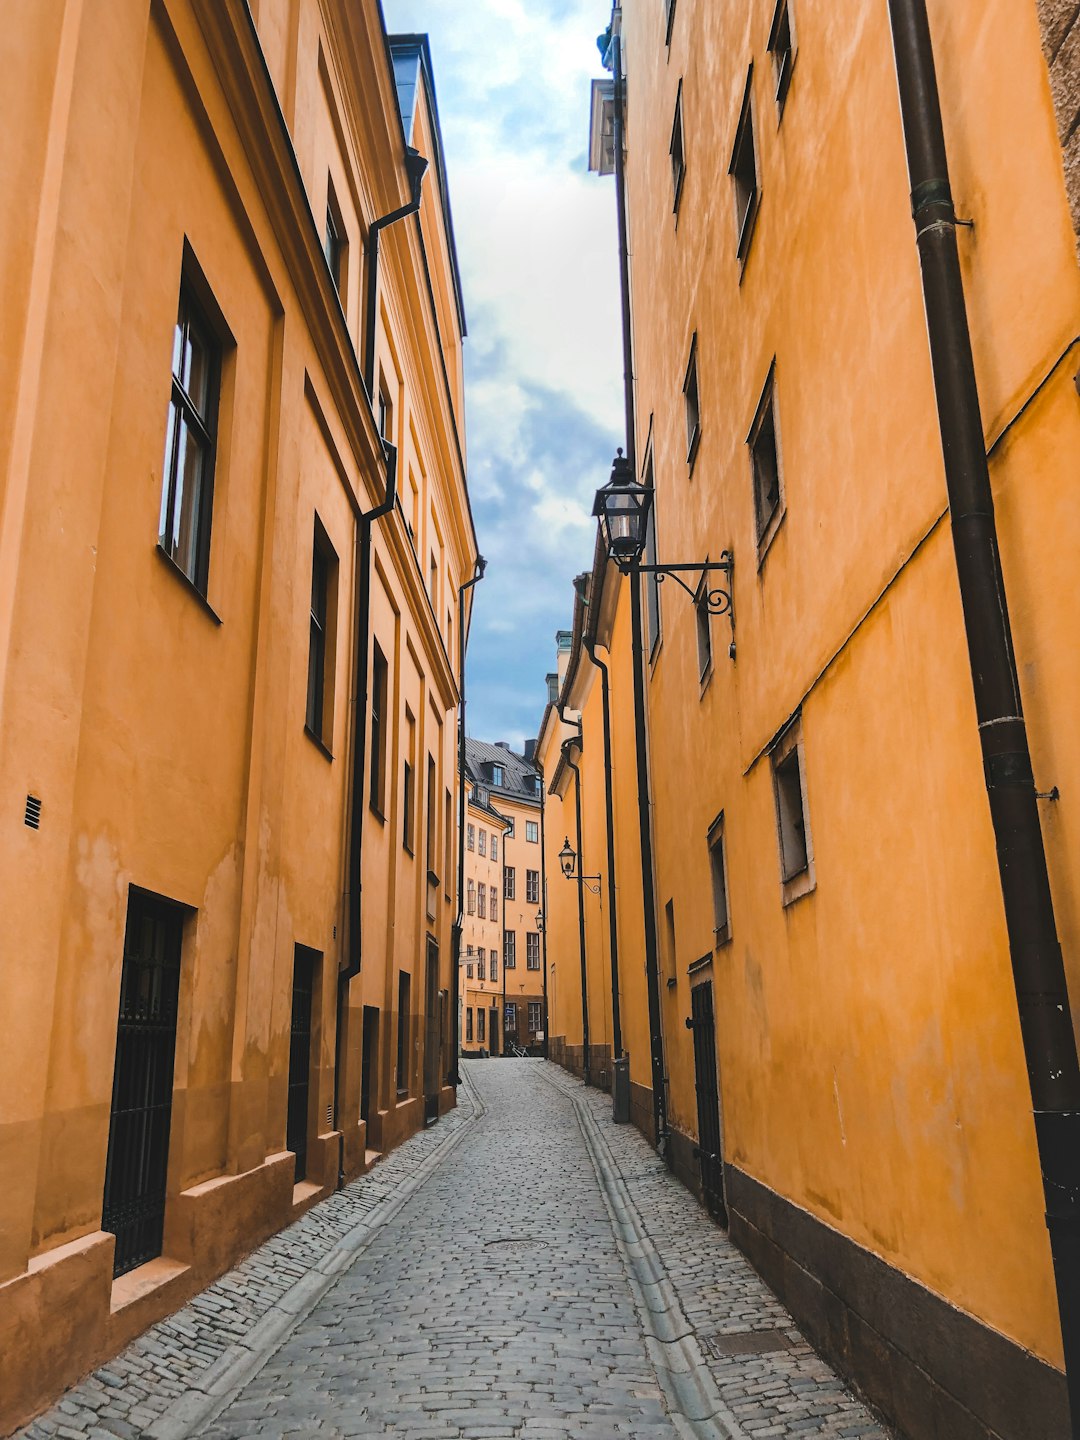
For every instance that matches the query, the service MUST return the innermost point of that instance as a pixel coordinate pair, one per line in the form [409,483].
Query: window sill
[408,849]
[746,234]
[800,885]
[721,937]
[377,813]
[317,742]
[187,582]
[705,678]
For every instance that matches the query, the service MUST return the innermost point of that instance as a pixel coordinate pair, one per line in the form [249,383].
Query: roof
[411,55]
[520,776]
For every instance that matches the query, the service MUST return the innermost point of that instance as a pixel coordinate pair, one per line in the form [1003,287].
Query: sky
[537,246]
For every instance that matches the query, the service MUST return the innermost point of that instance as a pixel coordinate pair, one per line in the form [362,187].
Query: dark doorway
[497,1043]
[296,1123]
[709,1152]
[369,1063]
[432,1035]
[138,1155]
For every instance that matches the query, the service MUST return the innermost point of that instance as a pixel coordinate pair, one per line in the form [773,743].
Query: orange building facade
[844,1080]
[503,1003]
[226,693]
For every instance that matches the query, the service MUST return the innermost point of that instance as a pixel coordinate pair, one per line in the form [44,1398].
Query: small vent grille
[330,1116]
[32,816]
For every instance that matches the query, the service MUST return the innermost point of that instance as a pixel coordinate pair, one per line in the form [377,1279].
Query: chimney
[502,745]
[530,750]
[552,687]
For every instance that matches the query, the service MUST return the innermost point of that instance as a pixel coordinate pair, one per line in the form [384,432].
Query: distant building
[503,1001]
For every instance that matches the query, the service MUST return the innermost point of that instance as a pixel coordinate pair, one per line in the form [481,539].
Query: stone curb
[699,1409]
[222,1382]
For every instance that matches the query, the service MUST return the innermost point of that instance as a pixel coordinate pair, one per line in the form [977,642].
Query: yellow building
[203,758]
[833,1019]
[503,1004]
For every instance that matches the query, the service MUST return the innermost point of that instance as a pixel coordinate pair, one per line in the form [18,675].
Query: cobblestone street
[524,1268]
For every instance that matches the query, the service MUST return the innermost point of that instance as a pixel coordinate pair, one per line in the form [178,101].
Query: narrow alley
[523,1268]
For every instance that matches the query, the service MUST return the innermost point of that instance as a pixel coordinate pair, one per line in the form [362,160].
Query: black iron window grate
[138,1156]
[32,815]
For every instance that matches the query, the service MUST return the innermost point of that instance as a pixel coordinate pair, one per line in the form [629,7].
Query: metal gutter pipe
[356,815]
[586,1063]
[544,904]
[652,967]
[454,1078]
[416,165]
[1038,970]
[609,817]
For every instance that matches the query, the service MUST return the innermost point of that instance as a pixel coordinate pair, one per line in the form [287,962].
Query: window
[480,967]
[704,628]
[509,829]
[494,847]
[448,839]
[532,950]
[379,678]
[433,581]
[678,159]
[468,1024]
[532,887]
[782,50]
[669,20]
[470,837]
[432,817]
[481,902]
[408,792]
[690,401]
[493,964]
[498,775]
[386,411]
[321,639]
[404,989]
[509,875]
[469,968]
[471,894]
[481,843]
[510,1015]
[532,832]
[481,1026]
[743,172]
[493,903]
[509,949]
[536,1016]
[765,466]
[187,486]
[334,239]
[792,825]
[718,869]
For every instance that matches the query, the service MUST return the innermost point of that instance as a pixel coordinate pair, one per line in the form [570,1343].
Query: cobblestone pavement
[523,1269]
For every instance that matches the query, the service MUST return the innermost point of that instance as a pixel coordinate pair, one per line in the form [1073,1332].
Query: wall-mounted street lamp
[568,862]
[540,921]
[622,507]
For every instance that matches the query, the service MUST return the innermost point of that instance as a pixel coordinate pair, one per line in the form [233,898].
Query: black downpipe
[356,816]
[1038,970]
[609,817]
[652,969]
[454,1078]
[544,905]
[416,165]
[586,1061]
[508,830]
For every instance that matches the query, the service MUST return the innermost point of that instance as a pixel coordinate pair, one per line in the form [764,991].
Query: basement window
[743,172]
[767,474]
[782,50]
[678,156]
[693,409]
[792,822]
[718,871]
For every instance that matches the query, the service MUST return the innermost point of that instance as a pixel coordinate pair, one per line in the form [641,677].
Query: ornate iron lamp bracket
[716,599]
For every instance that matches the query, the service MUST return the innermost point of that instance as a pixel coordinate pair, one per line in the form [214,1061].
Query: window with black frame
[187,491]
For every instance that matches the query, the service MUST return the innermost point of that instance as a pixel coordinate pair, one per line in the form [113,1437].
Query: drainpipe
[1038,971]
[508,829]
[454,1078]
[567,746]
[544,904]
[652,966]
[356,818]
[609,807]
[416,165]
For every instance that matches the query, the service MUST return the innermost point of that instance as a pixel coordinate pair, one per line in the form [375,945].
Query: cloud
[537,246]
